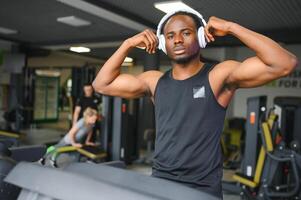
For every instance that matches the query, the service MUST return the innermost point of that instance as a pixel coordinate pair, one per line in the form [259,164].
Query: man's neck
[187,70]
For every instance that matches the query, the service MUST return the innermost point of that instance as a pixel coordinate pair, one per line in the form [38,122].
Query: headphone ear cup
[162,43]
[201,37]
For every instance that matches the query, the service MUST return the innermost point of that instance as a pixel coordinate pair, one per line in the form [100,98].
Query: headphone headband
[165,17]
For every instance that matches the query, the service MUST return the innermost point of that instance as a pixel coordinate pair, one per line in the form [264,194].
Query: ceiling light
[168,6]
[125,64]
[128,59]
[128,62]
[92,9]
[108,44]
[73,21]
[48,73]
[80,49]
[7,31]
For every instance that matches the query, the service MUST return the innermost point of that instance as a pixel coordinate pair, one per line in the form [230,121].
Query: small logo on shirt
[199,92]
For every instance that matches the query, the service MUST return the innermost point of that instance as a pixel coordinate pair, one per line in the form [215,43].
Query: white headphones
[201,34]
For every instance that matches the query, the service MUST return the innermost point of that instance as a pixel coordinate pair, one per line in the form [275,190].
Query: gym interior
[49,50]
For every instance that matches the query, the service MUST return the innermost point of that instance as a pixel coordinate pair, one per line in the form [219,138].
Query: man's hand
[216,27]
[146,40]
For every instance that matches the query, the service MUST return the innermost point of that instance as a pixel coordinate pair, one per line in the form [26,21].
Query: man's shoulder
[151,78]
[152,73]
[227,63]
[224,67]
[219,75]
[79,101]
[96,99]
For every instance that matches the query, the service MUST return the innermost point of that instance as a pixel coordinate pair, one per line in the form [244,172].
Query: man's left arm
[271,60]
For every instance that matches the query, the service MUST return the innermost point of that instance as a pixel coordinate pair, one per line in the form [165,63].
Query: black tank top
[189,122]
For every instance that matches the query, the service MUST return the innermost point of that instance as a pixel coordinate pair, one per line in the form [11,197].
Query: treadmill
[81,181]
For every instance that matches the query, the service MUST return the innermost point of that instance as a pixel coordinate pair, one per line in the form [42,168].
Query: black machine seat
[96,182]
[28,153]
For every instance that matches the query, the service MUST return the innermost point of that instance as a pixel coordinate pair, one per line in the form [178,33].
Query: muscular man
[191,99]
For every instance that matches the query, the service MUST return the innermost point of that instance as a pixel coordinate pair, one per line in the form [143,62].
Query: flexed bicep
[252,72]
[126,86]
[110,81]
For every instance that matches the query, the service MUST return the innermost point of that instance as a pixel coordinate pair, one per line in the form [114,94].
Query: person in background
[80,134]
[88,100]
[82,103]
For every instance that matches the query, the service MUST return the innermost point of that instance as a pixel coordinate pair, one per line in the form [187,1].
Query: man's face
[181,39]
[88,90]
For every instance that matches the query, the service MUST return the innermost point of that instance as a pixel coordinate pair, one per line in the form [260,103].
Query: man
[191,99]
[88,100]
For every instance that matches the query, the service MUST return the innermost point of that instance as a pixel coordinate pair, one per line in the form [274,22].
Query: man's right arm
[110,81]
[75,115]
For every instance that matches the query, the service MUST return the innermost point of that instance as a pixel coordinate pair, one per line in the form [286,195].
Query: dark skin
[180,52]
[271,61]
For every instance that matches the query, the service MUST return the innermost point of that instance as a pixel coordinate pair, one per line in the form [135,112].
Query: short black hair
[197,21]
[87,84]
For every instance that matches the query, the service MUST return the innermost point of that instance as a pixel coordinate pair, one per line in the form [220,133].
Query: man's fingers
[209,33]
[152,39]
[208,40]
[155,39]
[146,42]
